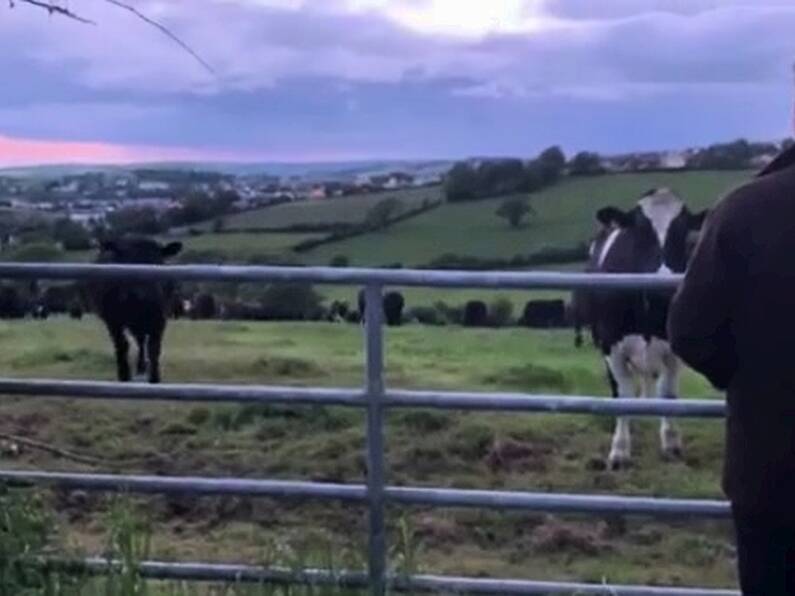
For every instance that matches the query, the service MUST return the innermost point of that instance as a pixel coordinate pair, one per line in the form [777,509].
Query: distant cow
[628,326]
[393,308]
[544,313]
[139,308]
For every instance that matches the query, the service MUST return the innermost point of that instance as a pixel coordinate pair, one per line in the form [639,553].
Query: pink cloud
[18,151]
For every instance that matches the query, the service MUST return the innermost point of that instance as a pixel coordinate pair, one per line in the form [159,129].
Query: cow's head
[663,229]
[134,250]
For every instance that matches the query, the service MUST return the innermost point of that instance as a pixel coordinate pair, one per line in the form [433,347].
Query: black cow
[544,313]
[628,326]
[139,308]
[394,303]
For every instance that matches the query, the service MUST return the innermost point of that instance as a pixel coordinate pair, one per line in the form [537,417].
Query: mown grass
[240,247]
[326,444]
[341,210]
[565,214]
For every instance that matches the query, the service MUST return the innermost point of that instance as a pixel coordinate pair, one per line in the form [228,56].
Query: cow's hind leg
[668,388]
[623,385]
[153,346]
[141,366]
[122,348]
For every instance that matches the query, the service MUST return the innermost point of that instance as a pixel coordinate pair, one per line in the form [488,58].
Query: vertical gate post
[374,350]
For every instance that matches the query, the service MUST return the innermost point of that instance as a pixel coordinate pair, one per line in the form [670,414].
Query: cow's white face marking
[661,208]
[608,245]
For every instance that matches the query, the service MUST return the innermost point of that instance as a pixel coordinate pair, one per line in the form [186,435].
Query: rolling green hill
[564,218]
[343,210]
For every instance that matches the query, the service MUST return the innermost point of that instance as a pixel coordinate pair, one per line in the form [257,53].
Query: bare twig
[54,8]
[64,453]
[163,29]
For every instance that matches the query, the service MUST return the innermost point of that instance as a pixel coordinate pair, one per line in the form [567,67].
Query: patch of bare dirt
[509,455]
[557,536]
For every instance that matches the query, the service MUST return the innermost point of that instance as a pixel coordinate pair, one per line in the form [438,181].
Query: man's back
[734,320]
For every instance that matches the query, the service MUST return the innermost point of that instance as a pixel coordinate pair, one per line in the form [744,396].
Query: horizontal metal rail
[446,400]
[342,276]
[437,497]
[244,574]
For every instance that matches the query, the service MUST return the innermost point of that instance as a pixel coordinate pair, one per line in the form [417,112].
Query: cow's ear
[171,250]
[609,216]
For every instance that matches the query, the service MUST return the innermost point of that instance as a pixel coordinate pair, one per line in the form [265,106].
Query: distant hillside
[327,171]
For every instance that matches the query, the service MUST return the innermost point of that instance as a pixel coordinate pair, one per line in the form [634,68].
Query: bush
[291,302]
[501,312]
[451,315]
[476,314]
[340,261]
[426,315]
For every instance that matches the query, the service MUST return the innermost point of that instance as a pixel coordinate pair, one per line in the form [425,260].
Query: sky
[329,80]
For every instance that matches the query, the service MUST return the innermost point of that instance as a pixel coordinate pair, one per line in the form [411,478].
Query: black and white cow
[629,326]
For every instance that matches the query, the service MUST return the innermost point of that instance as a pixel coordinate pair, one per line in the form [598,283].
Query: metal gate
[375,397]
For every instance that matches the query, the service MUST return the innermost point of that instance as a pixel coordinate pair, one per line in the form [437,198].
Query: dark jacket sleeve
[699,322]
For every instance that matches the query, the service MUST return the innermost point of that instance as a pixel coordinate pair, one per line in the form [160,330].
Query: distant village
[89,198]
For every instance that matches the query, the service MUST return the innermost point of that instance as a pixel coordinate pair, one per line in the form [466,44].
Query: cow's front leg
[622,384]
[668,388]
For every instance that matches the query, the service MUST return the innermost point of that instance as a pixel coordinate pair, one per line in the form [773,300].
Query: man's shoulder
[764,195]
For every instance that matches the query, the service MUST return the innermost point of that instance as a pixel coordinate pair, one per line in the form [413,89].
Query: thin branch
[64,453]
[55,9]
[63,11]
[163,29]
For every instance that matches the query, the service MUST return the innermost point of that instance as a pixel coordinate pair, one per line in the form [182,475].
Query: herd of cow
[627,326]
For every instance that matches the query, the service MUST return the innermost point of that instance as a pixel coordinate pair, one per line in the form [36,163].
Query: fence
[375,397]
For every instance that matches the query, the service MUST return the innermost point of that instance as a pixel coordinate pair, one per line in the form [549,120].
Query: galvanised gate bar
[375,398]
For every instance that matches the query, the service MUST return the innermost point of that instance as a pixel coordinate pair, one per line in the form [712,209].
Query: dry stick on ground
[70,455]
[54,8]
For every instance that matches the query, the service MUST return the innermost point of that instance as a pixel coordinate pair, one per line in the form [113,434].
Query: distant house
[318,191]
[760,161]
[153,186]
[673,160]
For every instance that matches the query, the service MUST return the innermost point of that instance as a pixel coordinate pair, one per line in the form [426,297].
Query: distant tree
[586,163]
[787,143]
[724,156]
[380,215]
[71,235]
[134,220]
[515,209]
[552,161]
[461,183]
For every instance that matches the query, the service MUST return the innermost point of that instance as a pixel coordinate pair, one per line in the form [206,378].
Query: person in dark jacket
[733,320]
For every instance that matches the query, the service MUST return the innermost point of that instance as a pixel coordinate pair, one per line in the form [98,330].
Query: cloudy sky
[309,80]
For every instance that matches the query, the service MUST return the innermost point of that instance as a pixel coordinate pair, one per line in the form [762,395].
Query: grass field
[345,210]
[240,247]
[565,214]
[424,447]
